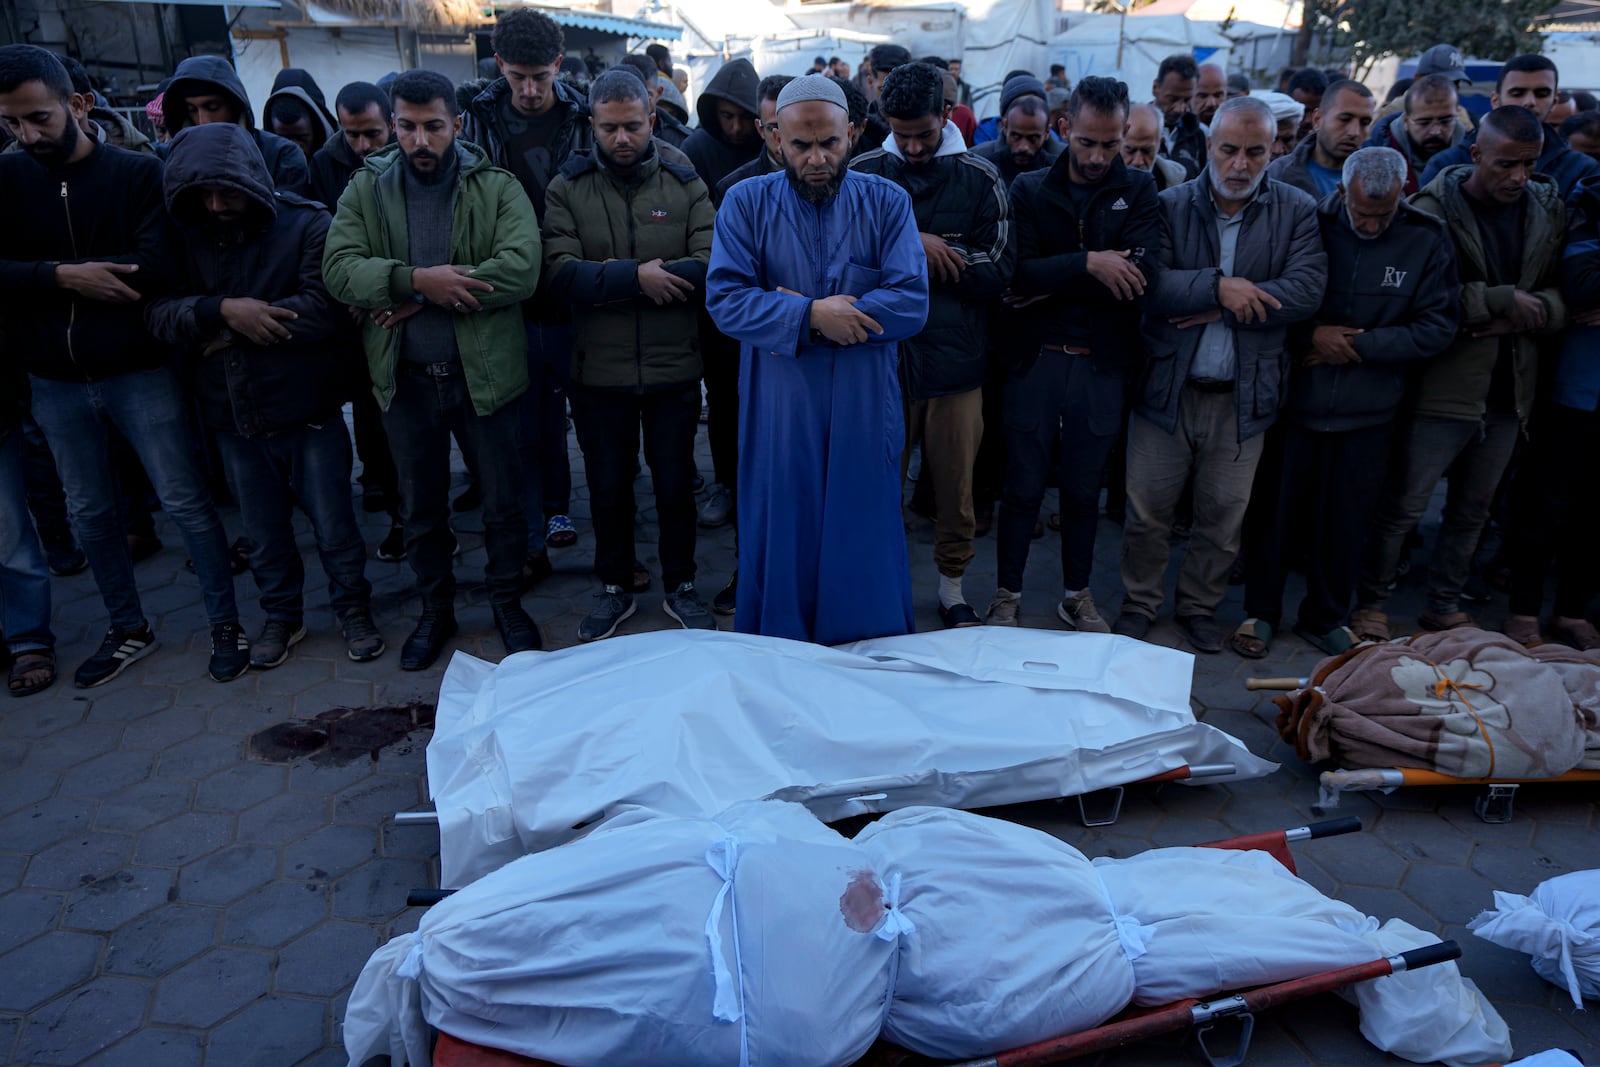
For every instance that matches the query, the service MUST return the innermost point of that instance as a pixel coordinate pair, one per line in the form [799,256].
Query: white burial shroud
[544,747]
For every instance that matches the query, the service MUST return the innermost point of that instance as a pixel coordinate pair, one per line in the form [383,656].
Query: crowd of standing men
[1272,320]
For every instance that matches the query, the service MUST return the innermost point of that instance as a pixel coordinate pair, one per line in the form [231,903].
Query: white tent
[1131,48]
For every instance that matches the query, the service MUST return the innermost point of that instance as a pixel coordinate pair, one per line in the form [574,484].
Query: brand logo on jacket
[1393,279]
[658,213]
[1120,205]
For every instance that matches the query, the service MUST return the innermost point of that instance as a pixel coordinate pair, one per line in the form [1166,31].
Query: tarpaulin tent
[1131,48]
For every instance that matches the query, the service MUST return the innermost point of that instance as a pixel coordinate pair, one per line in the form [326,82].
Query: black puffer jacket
[1053,246]
[104,208]
[961,198]
[331,169]
[207,75]
[1401,289]
[713,157]
[274,255]
[484,124]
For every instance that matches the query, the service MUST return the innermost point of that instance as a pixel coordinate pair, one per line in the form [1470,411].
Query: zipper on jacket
[633,252]
[72,301]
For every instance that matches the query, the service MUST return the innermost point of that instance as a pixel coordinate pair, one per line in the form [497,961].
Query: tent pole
[1122,26]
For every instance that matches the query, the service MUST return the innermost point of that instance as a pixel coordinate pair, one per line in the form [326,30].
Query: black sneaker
[230,651]
[725,602]
[362,640]
[120,648]
[602,622]
[65,559]
[517,628]
[434,630]
[393,547]
[685,605]
[271,649]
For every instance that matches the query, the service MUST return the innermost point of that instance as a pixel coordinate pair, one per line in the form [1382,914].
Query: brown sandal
[32,672]
[1578,633]
[1524,632]
[1370,624]
[1449,620]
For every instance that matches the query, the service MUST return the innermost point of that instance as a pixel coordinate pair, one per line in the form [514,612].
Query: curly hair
[911,91]
[1105,95]
[527,38]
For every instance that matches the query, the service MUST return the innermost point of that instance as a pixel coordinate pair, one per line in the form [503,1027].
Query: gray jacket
[1280,249]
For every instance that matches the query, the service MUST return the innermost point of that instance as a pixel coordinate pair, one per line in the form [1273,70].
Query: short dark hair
[1430,87]
[1054,68]
[618,85]
[1343,85]
[1529,63]
[1584,100]
[1310,80]
[1513,123]
[1105,95]
[23,63]
[287,110]
[1028,104]
[663,58]
[1397,89]
[358,96]
[1584,122]
[855,100]
[911,91]
[421,87]
[1238,83]
[80,77]
[886,57]
[834,59]
[644,66]
[935,61]
[1182,65]
[771,86]
[527,38]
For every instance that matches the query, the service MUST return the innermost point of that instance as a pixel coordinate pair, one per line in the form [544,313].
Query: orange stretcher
[1201,1017]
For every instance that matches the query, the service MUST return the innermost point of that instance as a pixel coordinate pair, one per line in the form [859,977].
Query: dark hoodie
[207,75]
[275,255]
[711,155]
[331,169]
[294,82]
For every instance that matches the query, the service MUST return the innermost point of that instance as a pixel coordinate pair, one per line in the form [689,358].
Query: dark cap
[1443,59]
[1017,87]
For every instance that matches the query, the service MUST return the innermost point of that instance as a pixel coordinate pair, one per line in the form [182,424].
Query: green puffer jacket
[493,230]
[1455,383]
[622,339]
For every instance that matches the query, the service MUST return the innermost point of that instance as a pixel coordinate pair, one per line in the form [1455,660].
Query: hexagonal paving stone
[166,1048]
[417,842]
[117,898]
[74,745]
[127,705]
[46,967]
[377,890]
[199,757]
[275,915]
[284,818]
[78,861]
[376,799]
[41,718]
[300,673]
[216,985]
[326,960]
[183,839]
[162,940]
[112,1008]
[241,786]
[142,806]
[311,776]
[1450,894]
[225,876]
[319,698]
[27,916]
[25,788]
[105,775]
[164,729]
[329,852]
[1574,847]
[1422,837]
[274,1032]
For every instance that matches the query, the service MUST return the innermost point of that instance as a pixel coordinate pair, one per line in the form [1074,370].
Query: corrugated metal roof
[622,27]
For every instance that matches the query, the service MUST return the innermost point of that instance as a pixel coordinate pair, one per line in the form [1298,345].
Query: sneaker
[1003,608]
[393,547]
[120,648]
[718,508]
[559,532]
[727,601]
[271,649]
[65,559]
[1132,624]
[362,640]
[958,616]
[1203,633]
[1080,613]
[434,629]
[230,651]
[615,606]
[685,605]
[517,628]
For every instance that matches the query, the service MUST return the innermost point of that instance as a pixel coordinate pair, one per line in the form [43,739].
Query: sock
[950,592]
[1070,593]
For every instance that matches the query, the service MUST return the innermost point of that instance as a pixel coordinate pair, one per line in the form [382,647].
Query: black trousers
[609,423]
[721,356]
[430,404]
[1555,513]
[1315,496]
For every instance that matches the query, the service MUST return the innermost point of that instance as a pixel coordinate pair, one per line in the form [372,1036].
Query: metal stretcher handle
[426,898]
[1350,824]
[1426,956]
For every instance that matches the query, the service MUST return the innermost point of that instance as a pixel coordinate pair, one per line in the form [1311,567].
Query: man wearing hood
[207,89]
[822,548]
[1427,126]
[1529,81]
[88,242]
[251,309]
[963,218]
[664,126]
[445,341]
[297,110]
[772,159]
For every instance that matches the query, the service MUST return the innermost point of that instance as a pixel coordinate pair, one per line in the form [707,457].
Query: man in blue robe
[819,273]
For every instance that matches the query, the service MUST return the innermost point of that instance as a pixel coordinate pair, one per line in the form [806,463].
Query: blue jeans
[546,474]
[309,465]
[148,407]
[24,578]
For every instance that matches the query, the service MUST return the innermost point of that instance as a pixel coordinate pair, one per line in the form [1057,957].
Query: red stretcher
[1200,1017]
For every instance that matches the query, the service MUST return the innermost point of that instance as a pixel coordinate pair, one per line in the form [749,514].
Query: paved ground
[172,894]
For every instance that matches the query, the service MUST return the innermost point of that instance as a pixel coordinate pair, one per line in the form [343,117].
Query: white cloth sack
[1014,939]
[1559,926]
[1552,1058]
[542,748]
[760,938]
